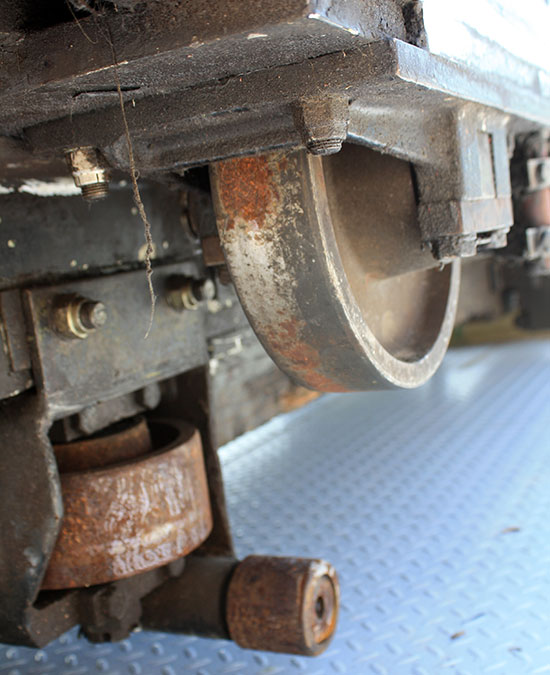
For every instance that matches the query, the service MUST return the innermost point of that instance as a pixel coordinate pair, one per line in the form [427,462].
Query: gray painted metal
[107,357]
[433,505]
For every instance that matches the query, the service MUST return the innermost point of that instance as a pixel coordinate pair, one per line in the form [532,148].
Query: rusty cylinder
[287,605]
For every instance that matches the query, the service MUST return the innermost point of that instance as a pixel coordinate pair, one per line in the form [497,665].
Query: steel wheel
[327,258]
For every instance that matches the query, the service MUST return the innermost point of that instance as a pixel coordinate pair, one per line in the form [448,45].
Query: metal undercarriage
[315,181]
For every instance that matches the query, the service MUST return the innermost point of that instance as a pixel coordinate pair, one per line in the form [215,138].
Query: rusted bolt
[76,317]
[322,123]
[90,172]
[287,605]
[187,293]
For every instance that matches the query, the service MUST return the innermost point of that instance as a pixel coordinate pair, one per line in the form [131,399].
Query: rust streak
[285,340]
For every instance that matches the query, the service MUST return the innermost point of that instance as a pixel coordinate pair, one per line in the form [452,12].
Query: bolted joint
[322,123]
[185,293]
[76,317]
[90,172]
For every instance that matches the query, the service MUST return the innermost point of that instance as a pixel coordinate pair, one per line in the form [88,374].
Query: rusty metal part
[269,603]
[212,252]
[328,260]
[90,172]
[127,440]
[283,604]
[74,316]
[224,276]
[132,516]
[192,393]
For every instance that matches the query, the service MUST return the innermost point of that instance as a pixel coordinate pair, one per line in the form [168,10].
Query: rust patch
[133,516]
[212,252]
[320,382]
[246,190]
[124,443]
[287,605]
[296,398]
[303,359]
[536,207]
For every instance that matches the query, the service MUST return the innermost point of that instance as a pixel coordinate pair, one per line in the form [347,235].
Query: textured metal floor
[434,505]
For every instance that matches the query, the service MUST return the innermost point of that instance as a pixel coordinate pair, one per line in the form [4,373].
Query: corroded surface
[133,516]
[283,604]
[257,203]
[319,305]
[247,190]
[127,441]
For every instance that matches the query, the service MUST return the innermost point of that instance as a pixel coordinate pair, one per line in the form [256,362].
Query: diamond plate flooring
[433,505]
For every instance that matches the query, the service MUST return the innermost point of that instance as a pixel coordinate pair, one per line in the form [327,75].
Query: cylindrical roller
[134,515]
[287,605]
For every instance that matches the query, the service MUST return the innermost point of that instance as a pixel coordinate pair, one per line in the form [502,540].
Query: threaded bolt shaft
[95,191]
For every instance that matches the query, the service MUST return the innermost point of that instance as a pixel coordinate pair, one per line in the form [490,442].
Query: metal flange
[329,264]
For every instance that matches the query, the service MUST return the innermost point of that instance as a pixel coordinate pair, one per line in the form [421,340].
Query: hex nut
[90,172]
[76,317]
[188,293]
